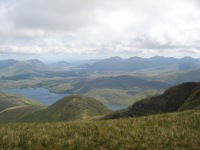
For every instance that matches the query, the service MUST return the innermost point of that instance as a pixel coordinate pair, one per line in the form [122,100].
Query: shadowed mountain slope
[182,97]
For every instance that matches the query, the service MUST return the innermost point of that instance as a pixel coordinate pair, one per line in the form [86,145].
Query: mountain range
[138,63]
[14,69]
[113,63]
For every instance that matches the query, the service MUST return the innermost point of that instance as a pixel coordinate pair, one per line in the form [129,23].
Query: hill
[125,82]
[7,63]
[167,131]
[178,98]
[69,108]
[183,76]
[14,106]
[23,69]
[123,90]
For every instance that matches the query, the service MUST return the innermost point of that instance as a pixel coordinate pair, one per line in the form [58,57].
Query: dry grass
[168,131]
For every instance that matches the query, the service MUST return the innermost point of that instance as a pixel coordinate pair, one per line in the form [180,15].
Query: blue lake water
[47,98]
[115,106]
[40,94]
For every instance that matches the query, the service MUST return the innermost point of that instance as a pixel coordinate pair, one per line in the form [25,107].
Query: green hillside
[10,100]
[167,131]
[69,108]
[180,77]
[14,106]
[124,82]
[178,98]
[123,89]
[193,101]
[14,114]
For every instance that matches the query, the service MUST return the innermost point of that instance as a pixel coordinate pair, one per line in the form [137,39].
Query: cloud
[139,27]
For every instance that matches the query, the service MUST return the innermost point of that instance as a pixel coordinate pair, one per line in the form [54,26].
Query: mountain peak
[69,108]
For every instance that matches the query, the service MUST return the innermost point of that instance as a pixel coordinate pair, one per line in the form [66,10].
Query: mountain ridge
[69,108]
[117,82]
[177,98]
[138,63]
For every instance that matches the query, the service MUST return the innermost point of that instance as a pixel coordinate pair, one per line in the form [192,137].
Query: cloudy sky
[99,28]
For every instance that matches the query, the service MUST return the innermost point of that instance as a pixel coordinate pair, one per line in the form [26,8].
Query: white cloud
[139,27]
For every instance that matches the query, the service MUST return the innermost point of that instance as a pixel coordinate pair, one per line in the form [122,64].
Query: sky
[83,29]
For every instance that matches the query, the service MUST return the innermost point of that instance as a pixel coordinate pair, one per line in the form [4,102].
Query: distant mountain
[137,63]
[124,82]
[69,108]
[187,63]
[7,63]
[61,64]
[13,107]
[15,63]
[182,97]
[187,59]
[23,70]
[35,63]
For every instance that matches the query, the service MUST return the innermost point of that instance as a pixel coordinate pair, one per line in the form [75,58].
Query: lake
[47,98]
[40,94]
[115,106]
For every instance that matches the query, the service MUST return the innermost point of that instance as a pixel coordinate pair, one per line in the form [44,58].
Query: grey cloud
[139,27]
[50,14]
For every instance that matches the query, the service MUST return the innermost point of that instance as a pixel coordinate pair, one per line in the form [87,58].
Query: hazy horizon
[78,59]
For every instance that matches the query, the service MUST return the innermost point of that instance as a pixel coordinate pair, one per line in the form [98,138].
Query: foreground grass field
[167,131]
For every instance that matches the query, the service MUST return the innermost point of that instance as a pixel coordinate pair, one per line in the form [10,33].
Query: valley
[89,103]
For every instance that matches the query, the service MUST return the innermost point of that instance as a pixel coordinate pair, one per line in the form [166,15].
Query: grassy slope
[193,101]
[14,106]
[69,108]
[168,131]
[10,100]
[14,114]
[181,97]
